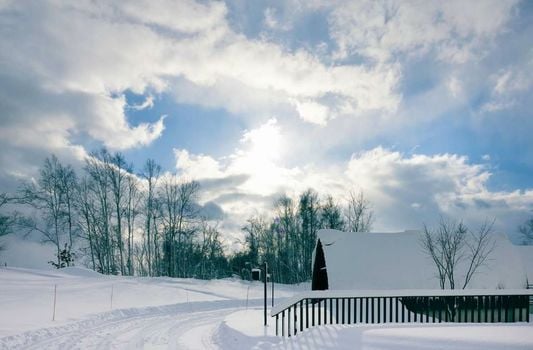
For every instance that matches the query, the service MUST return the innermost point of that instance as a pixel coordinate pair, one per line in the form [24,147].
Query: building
[370,261]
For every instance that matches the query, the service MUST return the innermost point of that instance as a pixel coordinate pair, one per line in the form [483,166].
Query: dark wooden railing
[317,308]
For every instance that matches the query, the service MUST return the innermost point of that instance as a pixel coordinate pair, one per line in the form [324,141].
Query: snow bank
[240,331]
[79,272]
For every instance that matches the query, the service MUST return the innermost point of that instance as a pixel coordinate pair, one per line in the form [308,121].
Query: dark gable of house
[320,273]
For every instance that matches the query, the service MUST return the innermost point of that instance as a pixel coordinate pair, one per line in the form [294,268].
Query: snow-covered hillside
[109,312]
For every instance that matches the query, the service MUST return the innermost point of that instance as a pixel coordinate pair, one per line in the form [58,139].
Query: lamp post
[272,282]
[265,270]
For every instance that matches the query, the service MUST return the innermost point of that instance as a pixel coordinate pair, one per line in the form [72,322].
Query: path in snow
[183,326]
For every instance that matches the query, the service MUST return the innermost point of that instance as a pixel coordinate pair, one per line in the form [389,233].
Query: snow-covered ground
[107,312]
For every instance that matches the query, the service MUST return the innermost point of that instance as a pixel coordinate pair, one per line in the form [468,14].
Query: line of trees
[120,222]
[149,223]
[286,241]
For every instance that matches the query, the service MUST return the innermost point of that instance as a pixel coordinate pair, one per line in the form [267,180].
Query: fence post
[55,297]
[111,300]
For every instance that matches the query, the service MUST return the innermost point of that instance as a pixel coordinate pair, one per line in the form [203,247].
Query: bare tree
[359,213]
[7,221]
[178,212]
[69,186]
[526,230]
[86,208]
[48,197]
[131,213]
[96,169]
[150,174]
[117,171]
[430,244]
[479,247]
[452,244]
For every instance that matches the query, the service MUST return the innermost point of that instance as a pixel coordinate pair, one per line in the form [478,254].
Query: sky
[423,105]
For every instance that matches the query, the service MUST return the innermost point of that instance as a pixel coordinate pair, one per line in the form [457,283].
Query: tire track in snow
[140,326]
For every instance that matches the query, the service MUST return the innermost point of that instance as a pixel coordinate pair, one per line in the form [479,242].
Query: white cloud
[270,18]
[455,87]
[197,166]
[511,80]
[380,29]
[507,85]
[146,104]
[74,63]
[313,112]
[406,190]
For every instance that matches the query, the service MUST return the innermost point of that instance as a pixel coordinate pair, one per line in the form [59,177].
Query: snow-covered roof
[397,261]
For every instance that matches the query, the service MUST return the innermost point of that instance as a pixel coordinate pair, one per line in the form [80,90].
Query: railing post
[283,323]
[526,303]
[325,311]
[354,310]
[306,313]
[366,311]
[471,304]
[432,305]
[361,310]
[301,315]
[289,321]
[379,309]
[313,312]
[478,304]
[277,319]
[457,308]
[492,307]
[319,317]
[331,311]
[372,309]
[486,306]
[500,307]
[295,321]
[427,309]
[390,309]
[336,310]
[349,310]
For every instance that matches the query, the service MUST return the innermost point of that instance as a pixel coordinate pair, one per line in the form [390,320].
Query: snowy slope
[82,292]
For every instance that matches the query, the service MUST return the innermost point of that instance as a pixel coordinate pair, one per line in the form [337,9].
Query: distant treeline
[146,223]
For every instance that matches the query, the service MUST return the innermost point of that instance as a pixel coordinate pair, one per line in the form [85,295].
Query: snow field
[165,313]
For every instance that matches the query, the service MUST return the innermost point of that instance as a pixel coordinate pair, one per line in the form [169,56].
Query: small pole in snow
[265,285]
[55,297]
[111,306]
[247,293]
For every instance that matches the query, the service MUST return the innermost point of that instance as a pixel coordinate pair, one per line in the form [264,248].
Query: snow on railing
[382,306]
